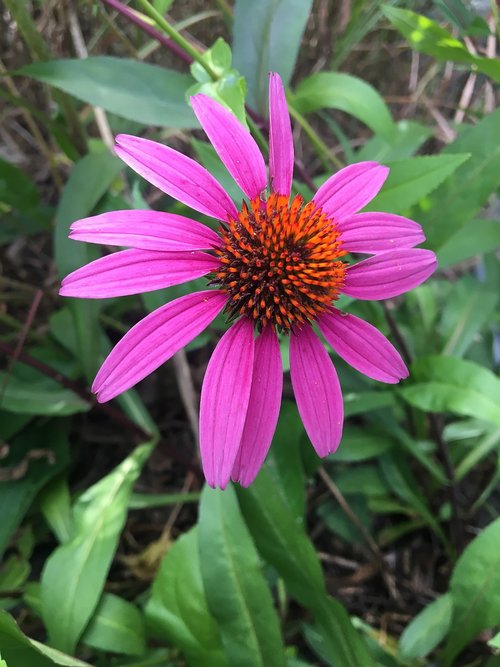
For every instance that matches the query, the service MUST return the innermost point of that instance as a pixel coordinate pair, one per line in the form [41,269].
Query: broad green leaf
[469,308]
[89,180]
[75,573]
[412,179]
[55,504]
[462,197]
[427,629]
[117,626]
[335,90]
[283,543]
[276,26]
[37,455]
[365,401]
[236,590]
[448,384]
[486,235]
[406,140]
[135,90]
[475,591]
[360,445]
[340,641]
[45,397]
[284,459]
[426,36]
[177,610]
[20,651]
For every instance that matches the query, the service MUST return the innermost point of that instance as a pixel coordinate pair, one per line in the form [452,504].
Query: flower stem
[324,153]
[134,17]
[176,36]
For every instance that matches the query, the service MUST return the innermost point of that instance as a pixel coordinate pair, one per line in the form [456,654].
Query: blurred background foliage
[113,553]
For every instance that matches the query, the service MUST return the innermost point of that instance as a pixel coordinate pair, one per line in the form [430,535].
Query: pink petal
[147,230]
[389,274]
[350,189]
[281,153]
[177,175]
[379,232]
[263,408]
[234,144]
[317,390]
[224,401]
[362,346]
[136,271]
[155,339]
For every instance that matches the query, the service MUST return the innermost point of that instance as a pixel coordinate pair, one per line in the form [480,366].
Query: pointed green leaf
[475,590]
[276,26]
[144,93]
[237,593]
[75,573]
[335,90]
[177,610]
[427,629]
[448,384]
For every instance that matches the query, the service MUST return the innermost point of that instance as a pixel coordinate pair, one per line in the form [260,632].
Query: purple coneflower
[277,266]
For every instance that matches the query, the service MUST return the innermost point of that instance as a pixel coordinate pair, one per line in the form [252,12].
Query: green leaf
[276,26]
[117,626]
[475,590]
[427,629]
[75,573]
[360,445]
[229,89]
[463,196]
[21,212]
[426,36]
[399,476]
[284,458]
[177,610]
[450,384]
[283,543]
[281,540]
[55,504]
[20,651]
[469,308]
[406,140]
[51,444]
[135,90]
[486,235]
[45,397]
[334,90]
[237,593]
[412,179]
[90,178]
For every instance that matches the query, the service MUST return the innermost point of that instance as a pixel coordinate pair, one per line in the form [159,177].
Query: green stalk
[325,155]
[176,36]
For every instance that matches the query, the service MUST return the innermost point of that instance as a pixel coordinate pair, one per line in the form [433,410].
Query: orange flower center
[279,262]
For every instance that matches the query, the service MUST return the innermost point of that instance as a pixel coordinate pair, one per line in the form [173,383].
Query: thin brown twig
[35,302]
[372,545]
